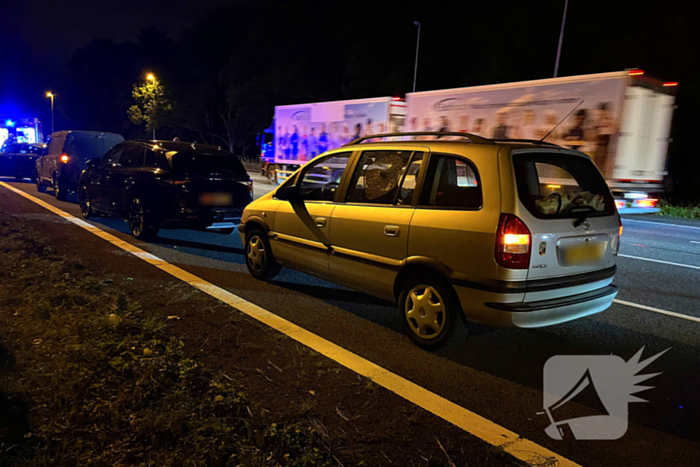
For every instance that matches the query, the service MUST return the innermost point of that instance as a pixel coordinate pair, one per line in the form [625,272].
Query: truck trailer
[622,120]
[301,132]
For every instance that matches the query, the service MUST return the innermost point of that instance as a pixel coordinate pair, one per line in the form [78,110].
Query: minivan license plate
[215,199]
[588,252]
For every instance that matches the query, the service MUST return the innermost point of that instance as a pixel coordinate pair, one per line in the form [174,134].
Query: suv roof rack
[473,138]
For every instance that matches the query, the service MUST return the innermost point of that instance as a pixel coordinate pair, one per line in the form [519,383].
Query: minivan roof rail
[473,138]
[522,140]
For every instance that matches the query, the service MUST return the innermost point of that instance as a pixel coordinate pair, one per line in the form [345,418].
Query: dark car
[66,158]
[18,159]
[165,184]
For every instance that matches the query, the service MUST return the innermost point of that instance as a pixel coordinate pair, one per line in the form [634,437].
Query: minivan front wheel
[258,256]
[432,312]
[140,221]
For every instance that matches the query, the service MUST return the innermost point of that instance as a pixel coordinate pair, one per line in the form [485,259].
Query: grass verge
[689,211]
[89,378]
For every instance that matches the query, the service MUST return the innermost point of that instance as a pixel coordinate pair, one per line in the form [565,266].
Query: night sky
[366,47]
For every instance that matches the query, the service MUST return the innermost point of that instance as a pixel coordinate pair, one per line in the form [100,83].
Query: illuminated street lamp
[151,77]
[51,96]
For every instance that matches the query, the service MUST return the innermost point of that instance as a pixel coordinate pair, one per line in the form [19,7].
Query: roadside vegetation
[690,211]
[89,378]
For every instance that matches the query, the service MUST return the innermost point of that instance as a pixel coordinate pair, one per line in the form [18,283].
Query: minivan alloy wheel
[425,311]
[256,253]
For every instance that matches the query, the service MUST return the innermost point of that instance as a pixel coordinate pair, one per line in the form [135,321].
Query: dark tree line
[228,70]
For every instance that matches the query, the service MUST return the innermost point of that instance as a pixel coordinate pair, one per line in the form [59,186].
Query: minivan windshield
[85,146]
[553,185]
[207,164]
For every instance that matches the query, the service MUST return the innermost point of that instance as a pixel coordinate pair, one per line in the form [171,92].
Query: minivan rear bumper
[548,312]
[537,303]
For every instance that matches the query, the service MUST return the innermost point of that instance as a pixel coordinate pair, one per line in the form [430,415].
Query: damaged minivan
[454,228]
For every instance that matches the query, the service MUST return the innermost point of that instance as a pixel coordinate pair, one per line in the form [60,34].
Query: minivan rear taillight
[619,235]
[513,241]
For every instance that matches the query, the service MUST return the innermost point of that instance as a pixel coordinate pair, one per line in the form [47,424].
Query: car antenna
[562,121]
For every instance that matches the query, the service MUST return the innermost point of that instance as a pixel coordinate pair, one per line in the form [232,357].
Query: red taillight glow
[513,243]
[670,83]
[619,203]
[636,72]
[177,182]
[64,158]
[646,203]
[619,235]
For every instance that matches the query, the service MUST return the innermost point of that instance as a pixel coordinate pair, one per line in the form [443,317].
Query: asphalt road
[498,372]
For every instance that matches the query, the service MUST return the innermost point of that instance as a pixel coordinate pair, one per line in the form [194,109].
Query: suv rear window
[562,186]
[207,163]
[85,146]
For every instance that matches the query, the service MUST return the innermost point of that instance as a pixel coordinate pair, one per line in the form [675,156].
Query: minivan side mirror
[287,193]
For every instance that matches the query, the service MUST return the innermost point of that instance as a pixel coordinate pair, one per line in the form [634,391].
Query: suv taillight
[513,241]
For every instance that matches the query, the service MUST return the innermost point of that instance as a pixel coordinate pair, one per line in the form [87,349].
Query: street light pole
[50,95]
[561,38]
[415,68]
[151,77]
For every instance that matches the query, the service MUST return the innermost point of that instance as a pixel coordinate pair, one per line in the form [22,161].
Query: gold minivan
[454,228]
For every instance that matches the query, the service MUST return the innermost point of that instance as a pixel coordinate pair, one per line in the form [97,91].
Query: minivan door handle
[320,222]
[391,230]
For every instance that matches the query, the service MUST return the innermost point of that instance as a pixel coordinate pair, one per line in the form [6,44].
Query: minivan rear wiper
[586,211]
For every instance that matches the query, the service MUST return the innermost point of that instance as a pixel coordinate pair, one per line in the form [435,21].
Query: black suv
[165,184]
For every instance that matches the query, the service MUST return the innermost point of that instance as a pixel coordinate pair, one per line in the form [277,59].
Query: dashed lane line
[660,261]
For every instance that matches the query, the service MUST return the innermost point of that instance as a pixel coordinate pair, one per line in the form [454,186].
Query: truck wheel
[271,175]
[431,311]
[258,255]
[59,191]
[140,221]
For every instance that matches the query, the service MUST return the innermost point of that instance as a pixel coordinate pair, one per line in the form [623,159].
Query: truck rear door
[644,135]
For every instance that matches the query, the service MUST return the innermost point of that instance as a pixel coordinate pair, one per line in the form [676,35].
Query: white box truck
[623,122]
[301,132]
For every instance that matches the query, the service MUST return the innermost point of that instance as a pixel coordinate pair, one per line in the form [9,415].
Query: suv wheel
[58,191]
[85,202]
[432,312]
[140,221]
[258,256]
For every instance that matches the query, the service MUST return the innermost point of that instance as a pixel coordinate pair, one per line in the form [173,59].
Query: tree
[153,107]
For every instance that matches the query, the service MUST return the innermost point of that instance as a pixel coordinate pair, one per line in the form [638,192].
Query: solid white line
[693,242]
[658,310]
[494,434]
[661,223]
[659,261]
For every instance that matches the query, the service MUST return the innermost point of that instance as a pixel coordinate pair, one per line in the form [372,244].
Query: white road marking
[693,242]
[660,261]
[661,223]
[494,434]
[658,310]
